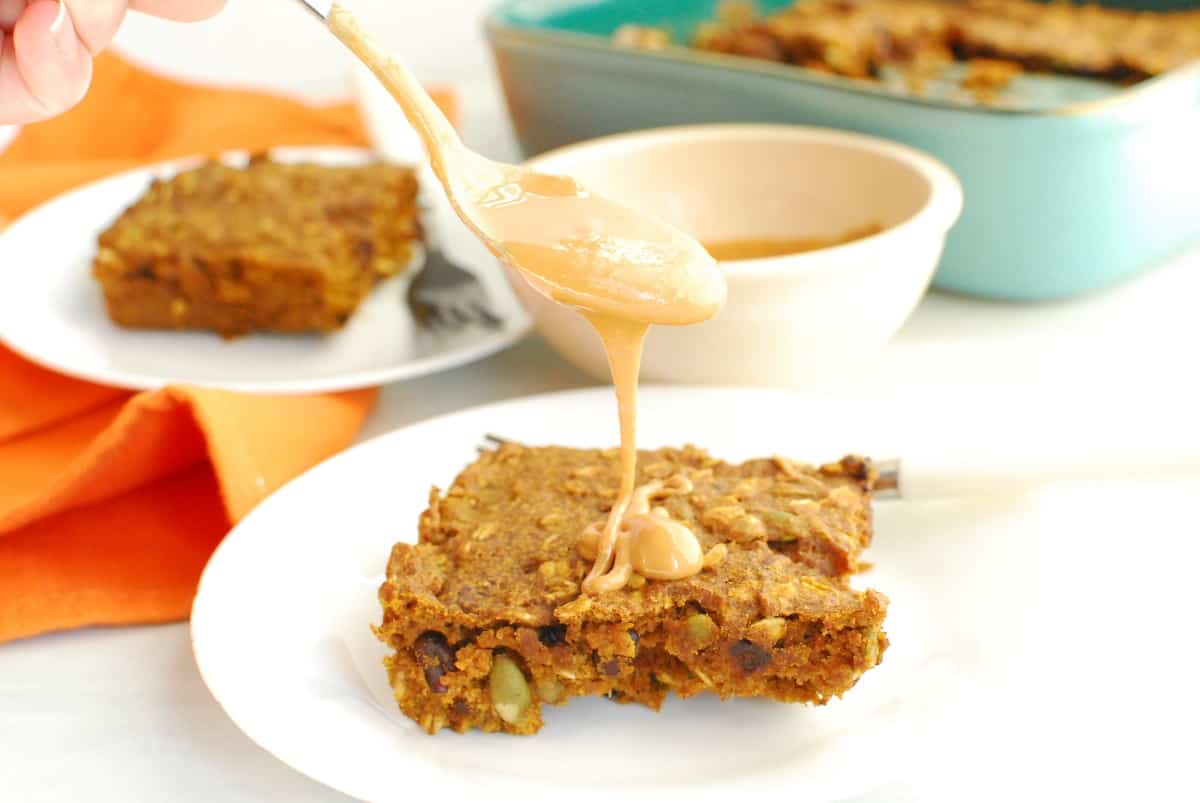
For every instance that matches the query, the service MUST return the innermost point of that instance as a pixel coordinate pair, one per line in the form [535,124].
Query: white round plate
[280,626]
[52,311]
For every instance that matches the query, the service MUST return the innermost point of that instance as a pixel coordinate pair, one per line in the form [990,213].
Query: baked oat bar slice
[269,247]
[860,38]
[488,623]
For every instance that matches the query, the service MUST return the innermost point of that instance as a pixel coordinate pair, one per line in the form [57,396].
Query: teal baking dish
[1072,188]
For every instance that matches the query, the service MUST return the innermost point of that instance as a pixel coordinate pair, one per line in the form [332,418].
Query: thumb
[53,63]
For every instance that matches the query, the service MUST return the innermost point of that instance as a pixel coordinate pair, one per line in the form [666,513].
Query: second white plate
[52,311]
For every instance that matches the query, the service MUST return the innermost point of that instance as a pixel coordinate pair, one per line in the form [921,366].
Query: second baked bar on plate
[271,247]
[488,623]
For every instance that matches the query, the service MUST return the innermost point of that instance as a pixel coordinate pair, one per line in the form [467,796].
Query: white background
[273,44]
[120,715]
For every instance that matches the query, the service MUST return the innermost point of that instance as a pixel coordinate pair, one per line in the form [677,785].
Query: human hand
[47,47]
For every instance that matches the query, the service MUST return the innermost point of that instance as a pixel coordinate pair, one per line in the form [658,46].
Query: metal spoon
[571,242]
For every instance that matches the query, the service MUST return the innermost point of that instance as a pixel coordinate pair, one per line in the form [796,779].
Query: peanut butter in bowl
[766,247]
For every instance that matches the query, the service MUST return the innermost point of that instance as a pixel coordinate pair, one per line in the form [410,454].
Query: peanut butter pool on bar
[488,622]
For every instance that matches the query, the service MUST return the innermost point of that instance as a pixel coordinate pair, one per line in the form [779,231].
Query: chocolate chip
[552,635]
[366,251]
[749,656]
[611,667]
[460,708]
[634,637]
[857,468]
[435,657]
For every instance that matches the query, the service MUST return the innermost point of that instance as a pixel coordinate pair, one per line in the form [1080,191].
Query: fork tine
[460,317]
[424,315]
[415,308]
[433,317]
[419,313]
[489,319]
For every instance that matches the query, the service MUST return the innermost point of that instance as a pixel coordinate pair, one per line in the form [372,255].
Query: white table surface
[121,714]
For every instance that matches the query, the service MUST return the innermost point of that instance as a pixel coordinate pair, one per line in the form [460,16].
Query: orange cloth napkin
[111,502]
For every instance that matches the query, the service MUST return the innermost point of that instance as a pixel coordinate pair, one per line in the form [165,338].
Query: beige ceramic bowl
[792,319]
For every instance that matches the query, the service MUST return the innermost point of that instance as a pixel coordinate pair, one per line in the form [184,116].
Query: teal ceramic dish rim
[939,212]
[496,26]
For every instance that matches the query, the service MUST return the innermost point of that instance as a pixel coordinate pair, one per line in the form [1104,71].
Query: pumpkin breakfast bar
[488,623]
[270,247]
[860,38]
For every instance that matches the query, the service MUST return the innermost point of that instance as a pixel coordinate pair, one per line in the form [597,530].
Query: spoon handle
[425,116]
[319,7]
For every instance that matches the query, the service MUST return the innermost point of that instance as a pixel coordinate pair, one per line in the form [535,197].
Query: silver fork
[444,297]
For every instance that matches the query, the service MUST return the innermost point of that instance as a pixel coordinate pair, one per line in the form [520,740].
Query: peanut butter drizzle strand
[637,536]
[623,342]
